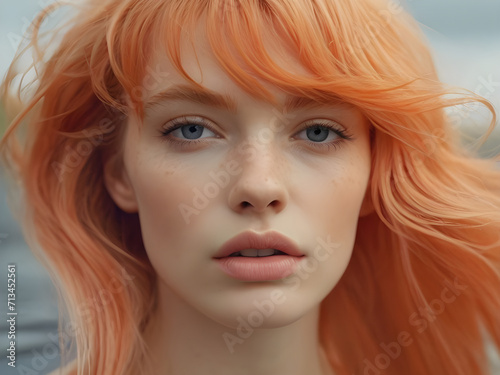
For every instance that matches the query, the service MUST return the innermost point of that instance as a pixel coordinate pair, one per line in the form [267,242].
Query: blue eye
[191,131]
[188,128]
[323,133]
[318,133]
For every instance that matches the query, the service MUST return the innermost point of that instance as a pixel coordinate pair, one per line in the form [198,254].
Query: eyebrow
[226,102]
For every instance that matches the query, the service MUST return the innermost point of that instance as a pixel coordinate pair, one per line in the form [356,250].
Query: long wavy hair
[422,291]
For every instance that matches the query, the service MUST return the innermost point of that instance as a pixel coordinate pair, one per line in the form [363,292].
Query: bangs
[370,67]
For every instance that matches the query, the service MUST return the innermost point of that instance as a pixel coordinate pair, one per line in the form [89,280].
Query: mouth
[253,244]
[259,257]
[257,253]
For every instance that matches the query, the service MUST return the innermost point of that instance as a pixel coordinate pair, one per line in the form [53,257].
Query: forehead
[203,67]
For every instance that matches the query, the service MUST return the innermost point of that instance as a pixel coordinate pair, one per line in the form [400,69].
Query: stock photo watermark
[16,39]
[421,321]
[375,28]
[460,117]
[221,178]
[75,156]
[266,307]
[152,80]
[487,87]
[87,311]
[11,314]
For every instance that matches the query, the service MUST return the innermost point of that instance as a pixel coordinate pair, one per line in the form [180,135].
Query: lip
[268,268]
[253,240]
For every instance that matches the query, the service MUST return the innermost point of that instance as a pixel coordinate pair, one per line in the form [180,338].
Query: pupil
[314,133]
[192,131]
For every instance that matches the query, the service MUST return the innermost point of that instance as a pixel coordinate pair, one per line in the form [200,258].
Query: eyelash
[182,121]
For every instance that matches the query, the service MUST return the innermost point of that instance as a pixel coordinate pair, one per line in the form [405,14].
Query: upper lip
[253,240]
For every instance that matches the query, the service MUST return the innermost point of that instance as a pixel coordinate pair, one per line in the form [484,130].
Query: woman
[257,187]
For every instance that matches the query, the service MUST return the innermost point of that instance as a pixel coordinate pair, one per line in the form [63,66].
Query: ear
[118,184]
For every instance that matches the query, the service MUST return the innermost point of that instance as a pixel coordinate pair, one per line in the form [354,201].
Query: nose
[261,186]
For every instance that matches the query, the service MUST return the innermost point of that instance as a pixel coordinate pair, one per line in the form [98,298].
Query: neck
[181,340]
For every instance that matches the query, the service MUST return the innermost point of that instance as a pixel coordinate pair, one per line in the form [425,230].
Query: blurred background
[465,38]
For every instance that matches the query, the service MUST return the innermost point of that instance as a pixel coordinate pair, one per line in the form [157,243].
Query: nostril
[274,203]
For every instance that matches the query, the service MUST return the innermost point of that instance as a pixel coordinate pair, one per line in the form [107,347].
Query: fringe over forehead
[355,50]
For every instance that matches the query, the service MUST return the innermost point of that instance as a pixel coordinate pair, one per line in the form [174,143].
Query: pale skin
[290,183]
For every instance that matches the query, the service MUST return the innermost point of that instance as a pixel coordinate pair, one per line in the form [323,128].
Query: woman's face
[208,166]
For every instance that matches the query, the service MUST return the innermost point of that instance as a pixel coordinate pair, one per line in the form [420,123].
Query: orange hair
[422,290]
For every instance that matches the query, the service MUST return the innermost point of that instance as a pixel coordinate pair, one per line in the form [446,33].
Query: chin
[266,308]
[256,319]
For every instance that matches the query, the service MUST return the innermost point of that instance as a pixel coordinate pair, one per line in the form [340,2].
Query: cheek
[333,195]
[174,212]
[161,186]
[335,202]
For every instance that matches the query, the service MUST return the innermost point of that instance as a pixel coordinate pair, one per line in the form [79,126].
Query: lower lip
[269,268]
